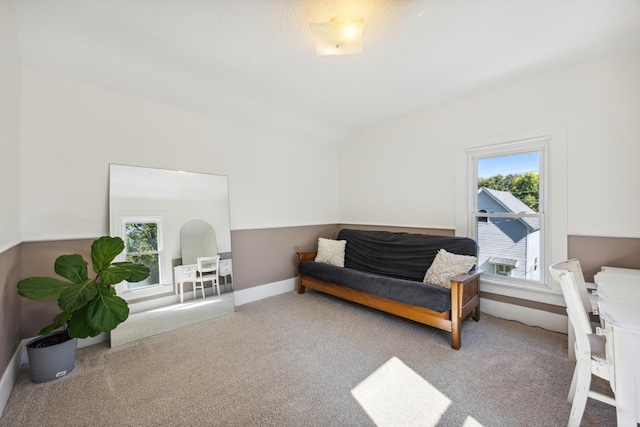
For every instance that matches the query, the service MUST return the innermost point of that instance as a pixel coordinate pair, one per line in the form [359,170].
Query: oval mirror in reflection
[197,239]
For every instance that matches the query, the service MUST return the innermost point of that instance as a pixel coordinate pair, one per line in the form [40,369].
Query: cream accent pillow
[331,251]
[447,265]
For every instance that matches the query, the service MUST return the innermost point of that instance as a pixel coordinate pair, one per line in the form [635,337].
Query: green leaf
[79,325]
[106,311]
[77,295]
[104,250]
[72,267]
[41,288]
[48,329]
[137,272]
[113,275]
[58,322]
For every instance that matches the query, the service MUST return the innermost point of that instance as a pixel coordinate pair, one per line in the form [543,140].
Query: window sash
[125,286]
[514,148]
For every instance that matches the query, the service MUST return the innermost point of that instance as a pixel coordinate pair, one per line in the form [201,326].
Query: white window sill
[146,292]
[538,293]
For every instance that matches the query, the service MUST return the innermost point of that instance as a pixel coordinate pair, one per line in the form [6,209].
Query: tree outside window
[142,246]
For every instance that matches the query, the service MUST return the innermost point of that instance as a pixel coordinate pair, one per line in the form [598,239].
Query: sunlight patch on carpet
[471,422]
[188,305]
[396,395]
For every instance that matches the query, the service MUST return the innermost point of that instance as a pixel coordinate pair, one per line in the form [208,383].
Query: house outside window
[502,266]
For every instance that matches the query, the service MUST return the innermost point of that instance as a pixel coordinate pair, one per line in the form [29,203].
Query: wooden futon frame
[465,301]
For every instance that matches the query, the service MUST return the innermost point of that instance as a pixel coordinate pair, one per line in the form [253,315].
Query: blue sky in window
[505,165]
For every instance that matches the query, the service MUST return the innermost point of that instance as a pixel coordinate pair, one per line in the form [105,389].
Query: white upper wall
[9,129]
[401,172]
[72,131]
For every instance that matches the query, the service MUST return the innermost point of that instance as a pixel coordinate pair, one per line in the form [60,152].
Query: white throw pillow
[331,251]
[447,265]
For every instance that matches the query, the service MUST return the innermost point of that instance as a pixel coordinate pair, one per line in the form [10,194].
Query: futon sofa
[387,271]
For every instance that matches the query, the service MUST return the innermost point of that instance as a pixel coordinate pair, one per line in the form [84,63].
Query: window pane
[517,175]
[509,246]
[151,261]
[142,247]
[142,237]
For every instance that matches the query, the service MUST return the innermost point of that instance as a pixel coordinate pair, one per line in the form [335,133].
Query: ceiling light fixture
[338,37]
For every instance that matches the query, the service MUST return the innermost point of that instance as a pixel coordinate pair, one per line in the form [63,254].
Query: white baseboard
[528,316]
[256,293]
[10,375]
[86,342]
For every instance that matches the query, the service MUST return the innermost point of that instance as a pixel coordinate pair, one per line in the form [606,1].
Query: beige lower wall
[594,252]
[436,231]
[269,255]
[260,256]
[37,259]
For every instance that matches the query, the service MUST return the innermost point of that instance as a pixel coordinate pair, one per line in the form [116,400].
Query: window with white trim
[533,232]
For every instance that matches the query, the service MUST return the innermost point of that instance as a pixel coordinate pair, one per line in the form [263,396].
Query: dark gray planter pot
[51,362]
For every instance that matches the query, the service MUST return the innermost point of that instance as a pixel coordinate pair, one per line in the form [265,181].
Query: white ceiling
[254,61]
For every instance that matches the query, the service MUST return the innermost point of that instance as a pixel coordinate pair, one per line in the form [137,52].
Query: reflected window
[143,245]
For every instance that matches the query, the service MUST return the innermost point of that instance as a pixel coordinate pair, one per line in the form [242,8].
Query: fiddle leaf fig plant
[89,306]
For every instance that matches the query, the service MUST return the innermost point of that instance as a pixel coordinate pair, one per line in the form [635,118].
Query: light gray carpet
[308,360]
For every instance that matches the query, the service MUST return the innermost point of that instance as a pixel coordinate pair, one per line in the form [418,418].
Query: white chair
[208,268]
[573,265]
[592,356]
[592,313]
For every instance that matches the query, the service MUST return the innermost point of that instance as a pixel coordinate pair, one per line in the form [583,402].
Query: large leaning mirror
[168,219]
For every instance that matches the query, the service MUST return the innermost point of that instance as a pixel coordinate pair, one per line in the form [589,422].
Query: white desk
[226,271]
[189,273]
[619,305]
[184,273]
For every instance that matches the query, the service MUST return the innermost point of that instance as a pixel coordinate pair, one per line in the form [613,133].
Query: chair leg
[583,384]
[572,389]
[218,286]
[195,288]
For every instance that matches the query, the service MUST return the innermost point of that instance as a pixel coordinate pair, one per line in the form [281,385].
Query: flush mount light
[338,36]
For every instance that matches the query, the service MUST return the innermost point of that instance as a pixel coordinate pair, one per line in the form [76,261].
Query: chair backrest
[575,309]
[573,265]
[208,264]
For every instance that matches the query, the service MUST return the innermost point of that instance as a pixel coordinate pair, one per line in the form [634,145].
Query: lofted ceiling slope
[254,61]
